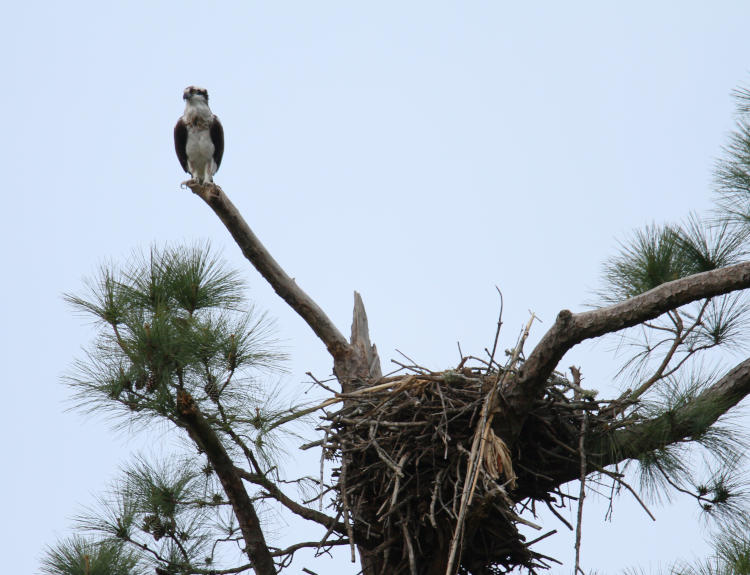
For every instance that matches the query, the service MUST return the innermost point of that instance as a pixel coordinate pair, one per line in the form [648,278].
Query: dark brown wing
[217,137]
[180,143]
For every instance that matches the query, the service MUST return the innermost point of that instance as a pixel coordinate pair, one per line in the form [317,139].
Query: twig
[384,456]
[322,470]
[525,521]
[413,363]
[538,539]
[296,508]
[409,548]
[414,368]
[294,415]
[558,515]
[331,528]
[497,331]
[332,400]
[399,475]
[297,546]
[576,372]
[618,478]
[433,499]
[320,383]
[348,518]
[311,444]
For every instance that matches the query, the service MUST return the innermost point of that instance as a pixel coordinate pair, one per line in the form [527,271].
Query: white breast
[200,152]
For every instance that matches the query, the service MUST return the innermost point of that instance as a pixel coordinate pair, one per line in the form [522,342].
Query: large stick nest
[404,446]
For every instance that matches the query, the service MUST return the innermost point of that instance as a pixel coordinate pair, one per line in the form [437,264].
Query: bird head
[195,94]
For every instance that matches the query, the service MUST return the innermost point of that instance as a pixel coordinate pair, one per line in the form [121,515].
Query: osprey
[199,136]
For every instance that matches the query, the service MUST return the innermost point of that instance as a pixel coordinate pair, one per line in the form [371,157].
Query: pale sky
[418,152]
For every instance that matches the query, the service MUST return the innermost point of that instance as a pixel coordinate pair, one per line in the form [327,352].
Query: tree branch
[686,422]
[201,432]
[314,544]
[308,513]
[305,512]
[571,329]
[681,336]
[259,256]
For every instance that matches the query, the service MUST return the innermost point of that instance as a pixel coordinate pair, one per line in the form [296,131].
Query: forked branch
[571,329]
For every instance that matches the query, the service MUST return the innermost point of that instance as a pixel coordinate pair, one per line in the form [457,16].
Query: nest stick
[557,514]
[477,451]
[497,332]
[433,499]
[582,451]
[347,513]
[397,482]
[322,469]
[410,549]
[538,539]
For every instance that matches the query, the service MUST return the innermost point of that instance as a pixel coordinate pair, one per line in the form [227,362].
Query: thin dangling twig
[576,372]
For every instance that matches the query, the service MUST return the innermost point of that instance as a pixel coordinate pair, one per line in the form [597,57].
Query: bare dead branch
[310,544]
[259,256]
[497,331]
[296,508]
[620,481]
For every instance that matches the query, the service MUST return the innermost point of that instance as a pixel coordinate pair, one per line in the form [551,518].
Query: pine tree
[433,469]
